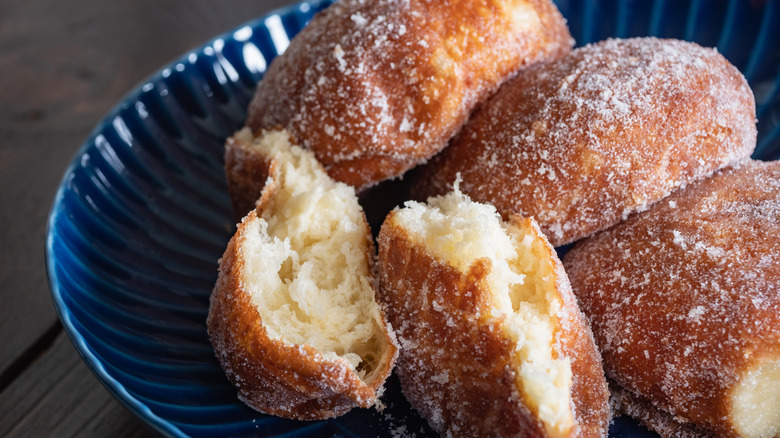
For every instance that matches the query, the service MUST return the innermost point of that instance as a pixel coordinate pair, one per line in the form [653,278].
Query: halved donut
[293,317]
[492,341]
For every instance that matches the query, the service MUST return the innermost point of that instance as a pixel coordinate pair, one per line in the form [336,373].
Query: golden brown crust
[247,172]
[580,142]
[376,87]
[455,364]
[683,297]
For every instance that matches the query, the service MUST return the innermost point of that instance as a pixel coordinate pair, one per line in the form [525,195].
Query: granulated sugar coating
[581,142]
[625,402]
[492,341]
[684,301]
[374,87]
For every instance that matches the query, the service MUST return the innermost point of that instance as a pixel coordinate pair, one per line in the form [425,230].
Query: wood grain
[59,396]
[63,65]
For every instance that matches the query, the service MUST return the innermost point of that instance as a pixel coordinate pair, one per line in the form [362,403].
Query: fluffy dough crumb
[294,320]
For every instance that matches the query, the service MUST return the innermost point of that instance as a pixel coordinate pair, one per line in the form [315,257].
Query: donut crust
[683,298]
[581,142]
[436,310]
[247,172]
[376,87]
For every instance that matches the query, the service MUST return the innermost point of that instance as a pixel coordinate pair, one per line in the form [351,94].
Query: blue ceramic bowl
[142,214]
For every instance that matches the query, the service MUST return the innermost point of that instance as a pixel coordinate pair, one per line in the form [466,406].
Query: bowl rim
[94,363]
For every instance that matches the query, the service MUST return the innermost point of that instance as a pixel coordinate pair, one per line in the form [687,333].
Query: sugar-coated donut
[581,142]
[374,87]
[293,317]
[684,301]
[492,341]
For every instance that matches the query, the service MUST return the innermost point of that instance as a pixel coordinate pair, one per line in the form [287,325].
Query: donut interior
[755,400]
[308,273]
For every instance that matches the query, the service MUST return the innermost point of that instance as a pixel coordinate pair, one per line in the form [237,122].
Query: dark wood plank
[62,66]
[59,396]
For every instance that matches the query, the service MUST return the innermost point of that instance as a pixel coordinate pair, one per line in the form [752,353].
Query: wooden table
[63,65]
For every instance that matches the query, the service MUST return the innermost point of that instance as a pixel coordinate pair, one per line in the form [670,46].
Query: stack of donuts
[502,142]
